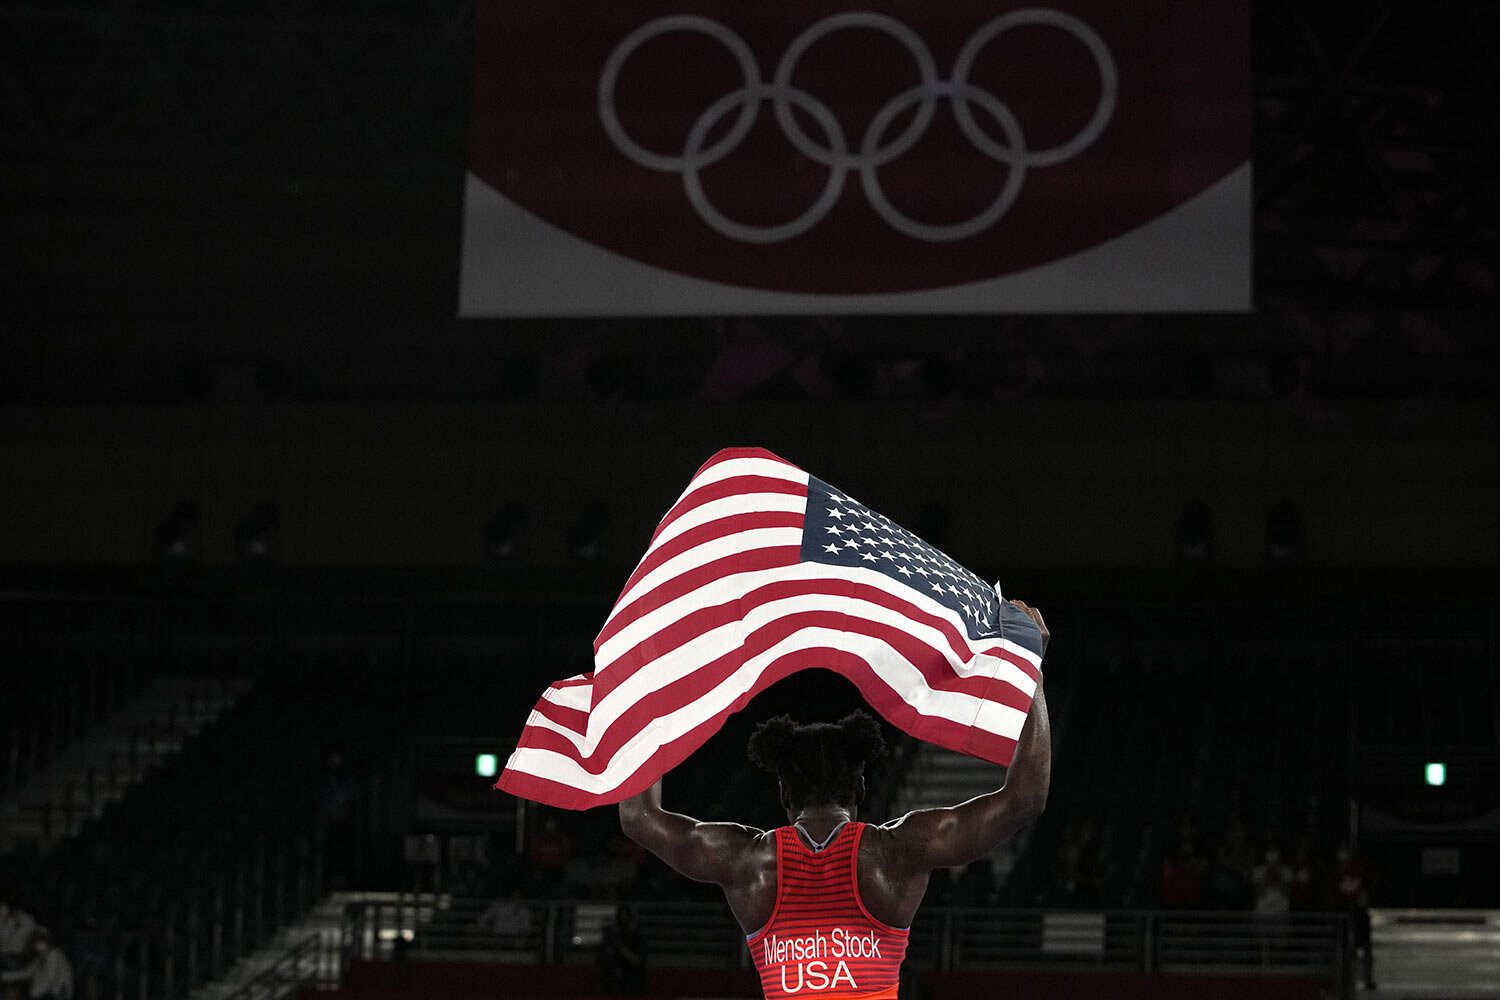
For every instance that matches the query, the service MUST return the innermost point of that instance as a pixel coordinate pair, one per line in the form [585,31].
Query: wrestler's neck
[819,821]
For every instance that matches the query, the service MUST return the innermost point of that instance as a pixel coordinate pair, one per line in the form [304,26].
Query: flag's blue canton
[841,531]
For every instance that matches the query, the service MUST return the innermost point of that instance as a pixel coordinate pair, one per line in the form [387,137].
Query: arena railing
[693,935]
[199,936]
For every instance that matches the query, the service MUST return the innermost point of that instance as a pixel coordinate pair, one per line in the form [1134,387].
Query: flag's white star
[888,554]
[831,547]
[852,542]
[867,556]
[871,527]
[938,587]
[904,571]
[835,513]
[924,571]
[834,529]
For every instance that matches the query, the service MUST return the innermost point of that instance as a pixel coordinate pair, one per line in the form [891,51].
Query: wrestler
[826,902]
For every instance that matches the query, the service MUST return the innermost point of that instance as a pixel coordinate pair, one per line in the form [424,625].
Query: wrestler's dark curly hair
[818,762]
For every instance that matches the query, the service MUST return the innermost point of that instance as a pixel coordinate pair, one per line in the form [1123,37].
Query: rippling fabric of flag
[758,571]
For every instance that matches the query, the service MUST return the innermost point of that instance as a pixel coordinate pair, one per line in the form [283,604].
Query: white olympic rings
[876,148]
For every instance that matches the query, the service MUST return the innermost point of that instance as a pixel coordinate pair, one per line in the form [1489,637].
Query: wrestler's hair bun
[863,737]
[772,743]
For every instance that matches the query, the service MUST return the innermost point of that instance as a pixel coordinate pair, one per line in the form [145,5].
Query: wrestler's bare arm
[957,835]
[704,852]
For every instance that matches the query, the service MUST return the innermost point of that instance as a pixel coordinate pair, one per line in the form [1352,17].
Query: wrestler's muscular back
[890,894]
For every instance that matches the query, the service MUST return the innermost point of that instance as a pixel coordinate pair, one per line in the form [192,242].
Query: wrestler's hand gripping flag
[758,571]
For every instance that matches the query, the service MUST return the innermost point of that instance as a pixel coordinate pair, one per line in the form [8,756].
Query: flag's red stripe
[730,454]
[707,532]
[572,718]
[770,557]
[686,690]
[733,486]
[565,796]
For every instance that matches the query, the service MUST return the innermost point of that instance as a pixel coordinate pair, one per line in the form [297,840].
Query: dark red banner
[808,150]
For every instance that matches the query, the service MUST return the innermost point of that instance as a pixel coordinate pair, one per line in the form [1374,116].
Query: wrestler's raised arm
[957,835]
[704,852]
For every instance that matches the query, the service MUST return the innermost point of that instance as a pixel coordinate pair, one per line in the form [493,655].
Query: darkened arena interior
[300,515]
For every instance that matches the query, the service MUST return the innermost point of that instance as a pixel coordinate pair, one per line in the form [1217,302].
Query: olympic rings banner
[664,157]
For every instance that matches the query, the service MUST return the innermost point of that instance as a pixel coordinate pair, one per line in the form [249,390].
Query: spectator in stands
[336,799]
[1180,888]
[976,884]
[1080,868]
[941,887]
[1272,883]
[622,956]
[401,960]
[91,954]
[1349,881]
[48,976]
[621,869]
[509,919]
[1349,891]
[1226,884]
[1364,951]
[549,850]
[1302,888]
[16,930]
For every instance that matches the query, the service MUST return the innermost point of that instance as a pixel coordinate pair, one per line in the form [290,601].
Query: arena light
[1284,534]
[1195,533]
[179,537]
[485,765]
[256,534]
[1437,774]
[589,534]
[505,533]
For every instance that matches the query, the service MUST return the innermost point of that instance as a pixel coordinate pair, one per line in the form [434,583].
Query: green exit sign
[1437,774]
[485,764]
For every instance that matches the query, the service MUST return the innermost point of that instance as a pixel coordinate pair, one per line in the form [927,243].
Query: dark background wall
[231,235]
[1049,482]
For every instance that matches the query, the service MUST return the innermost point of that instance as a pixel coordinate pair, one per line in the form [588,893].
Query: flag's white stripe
[741,503]
[700,555]
[891,668]
[575,696]
[724,589]
[745,467]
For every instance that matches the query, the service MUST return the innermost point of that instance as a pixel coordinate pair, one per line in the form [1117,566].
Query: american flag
[760,570]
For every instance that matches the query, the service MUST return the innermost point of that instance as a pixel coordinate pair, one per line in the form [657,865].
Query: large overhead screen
[676,158]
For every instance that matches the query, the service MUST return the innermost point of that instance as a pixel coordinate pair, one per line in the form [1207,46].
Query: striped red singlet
[821,942]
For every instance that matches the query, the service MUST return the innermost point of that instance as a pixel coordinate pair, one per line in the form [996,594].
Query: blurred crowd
[1230,871]
[1236,874]
[33,966]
